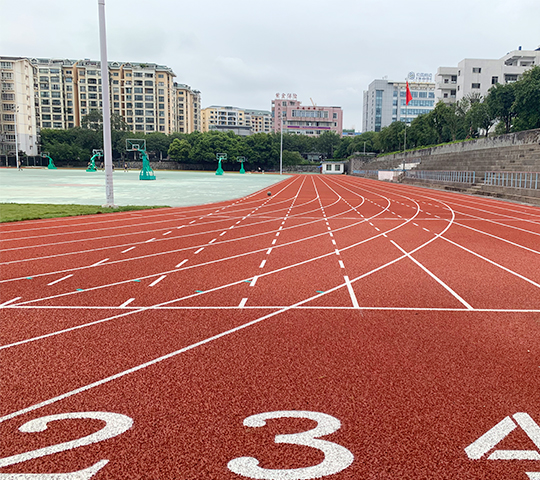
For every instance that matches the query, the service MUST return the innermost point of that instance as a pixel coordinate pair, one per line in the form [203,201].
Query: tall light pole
[16,139]
[107,148]
[281,148]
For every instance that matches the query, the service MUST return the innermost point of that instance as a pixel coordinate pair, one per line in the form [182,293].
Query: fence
[512,179]
[367,173]
[440,176]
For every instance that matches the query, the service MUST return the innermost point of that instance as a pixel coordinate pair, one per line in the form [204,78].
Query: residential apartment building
[18,120]
[385,103]
[289,113]
[238,120]
[477,76]
[187,104]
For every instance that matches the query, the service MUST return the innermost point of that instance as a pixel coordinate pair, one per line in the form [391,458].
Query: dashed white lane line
[193,221]
[337,251]
[200,250]
[99,263]
[354,300]
[341,264]
[262,264]
[333,241]
[212,241]
[10,301]
[231,227]
[151,240]
[60,279]
[181,263]
[376,229]
[222,233]
[127,250]
[155,282]
[127,302]
[243,302]
[277,234]
[253,282]
[181,226]
[280,228]
[167,233]
[415,224]
[425,229]
[274,241]
[269,251]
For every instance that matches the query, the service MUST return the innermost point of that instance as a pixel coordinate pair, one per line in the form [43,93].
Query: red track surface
[412,317]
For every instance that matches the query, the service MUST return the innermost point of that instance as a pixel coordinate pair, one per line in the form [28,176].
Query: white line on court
[181,263]
[200,250]
[127,250]
[157,280]
[99,263]
[151,240]
[167,233]
[252,284]
[60,279]
[354,300]
[10,301]
[262,264]
[126,303]
[242,303]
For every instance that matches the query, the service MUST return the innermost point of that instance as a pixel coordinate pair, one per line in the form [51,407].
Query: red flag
[408,98]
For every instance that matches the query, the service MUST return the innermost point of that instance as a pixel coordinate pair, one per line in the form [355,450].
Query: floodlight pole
[16,139]
[107,148]
[281,148]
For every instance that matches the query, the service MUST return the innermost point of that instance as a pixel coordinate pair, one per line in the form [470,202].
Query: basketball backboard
[135,144]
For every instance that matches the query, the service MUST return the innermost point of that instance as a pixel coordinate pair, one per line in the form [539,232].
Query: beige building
[242,121]
[187,105]
[18,123]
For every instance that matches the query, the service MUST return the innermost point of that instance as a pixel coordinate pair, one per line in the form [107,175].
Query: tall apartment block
[385,103]
[477,76]
[18,120]
[302,120]
[238,120]
[58,93]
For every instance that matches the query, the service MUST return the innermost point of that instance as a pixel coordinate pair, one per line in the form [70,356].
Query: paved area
[173,188]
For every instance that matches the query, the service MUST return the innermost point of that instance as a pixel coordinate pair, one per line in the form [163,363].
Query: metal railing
[367,173]
[442,176]
[513,179]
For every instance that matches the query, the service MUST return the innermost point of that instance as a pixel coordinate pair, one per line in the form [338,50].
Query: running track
[341,328]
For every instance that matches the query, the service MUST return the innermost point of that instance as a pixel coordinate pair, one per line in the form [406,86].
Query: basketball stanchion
[220,157]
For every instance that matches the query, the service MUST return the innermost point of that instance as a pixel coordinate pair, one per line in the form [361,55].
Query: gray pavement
[173,188]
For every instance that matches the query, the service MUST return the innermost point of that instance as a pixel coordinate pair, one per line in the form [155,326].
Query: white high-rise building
[477,76]
[384,103]
[18,126]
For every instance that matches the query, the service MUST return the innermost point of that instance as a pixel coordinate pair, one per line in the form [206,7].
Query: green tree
[527,100]
[291,158]
[327,142]
[500,100]
[179,150]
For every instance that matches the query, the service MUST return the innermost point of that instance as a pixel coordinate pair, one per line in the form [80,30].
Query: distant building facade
[18,116]
[477,76]
[384,103]
[295,118]
[239,120]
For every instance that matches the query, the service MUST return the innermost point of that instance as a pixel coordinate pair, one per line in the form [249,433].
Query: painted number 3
[336,457]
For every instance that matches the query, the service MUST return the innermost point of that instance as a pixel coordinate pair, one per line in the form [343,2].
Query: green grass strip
[14,212]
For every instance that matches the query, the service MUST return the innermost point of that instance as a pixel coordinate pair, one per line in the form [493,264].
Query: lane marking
[425,229]
[341,264]
[10,301]
[432,275]
[193,221]
[212,241]
[60,279]
[155,282]
[376,229]
[100,262]
[253,282]
[126,303]
[337,252]
[262,264]
[333,241]
[269,251]
[351,292]
[331,234]
[127,250]
[274,241]
[242,303]
[222,233]
[200,250]
[151,240]
[167,233]
[181,263]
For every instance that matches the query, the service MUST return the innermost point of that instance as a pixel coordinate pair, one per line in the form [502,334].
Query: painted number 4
[336,457]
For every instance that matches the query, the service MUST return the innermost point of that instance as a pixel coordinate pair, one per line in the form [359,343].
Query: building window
[475,85]
[476,70]
[494,80]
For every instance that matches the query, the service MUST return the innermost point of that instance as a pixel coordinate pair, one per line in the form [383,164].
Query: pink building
[305,120]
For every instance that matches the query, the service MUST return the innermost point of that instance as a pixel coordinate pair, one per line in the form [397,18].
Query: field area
[339,328]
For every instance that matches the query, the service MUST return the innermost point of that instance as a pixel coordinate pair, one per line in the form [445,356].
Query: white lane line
[328,228]
[60,279]
[151,240]
[432,275]
[212,241]
[231,227]
[222,233]
[277,234]
[126,303]
[376,229]
[181,263]
[200,250]
[100,262]
[337,252]
[10,301]
[242,303]
[341,264]
[274,241]
[331,234]
[253,282]
[167,233]
[333,241]
[127,250]
[415,224]
[262,264]
[157,280]
[193,221]
[280,228]
[354,300]
[269,251]
[425,229]
[181,226]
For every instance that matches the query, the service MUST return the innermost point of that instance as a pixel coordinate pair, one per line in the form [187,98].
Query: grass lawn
[13,212]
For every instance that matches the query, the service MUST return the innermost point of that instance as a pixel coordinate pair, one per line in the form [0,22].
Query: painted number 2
[336,457]
[115,424]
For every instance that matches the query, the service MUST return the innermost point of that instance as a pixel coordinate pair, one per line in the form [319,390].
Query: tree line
[506,108]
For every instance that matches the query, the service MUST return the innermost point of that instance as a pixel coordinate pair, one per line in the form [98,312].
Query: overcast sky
[243,52]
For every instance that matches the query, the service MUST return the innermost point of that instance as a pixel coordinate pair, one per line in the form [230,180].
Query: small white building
[332,168]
